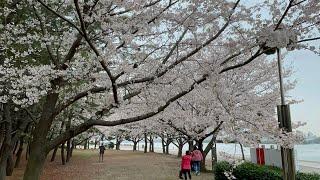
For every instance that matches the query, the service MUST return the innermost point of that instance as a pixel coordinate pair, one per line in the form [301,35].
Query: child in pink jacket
[196,160]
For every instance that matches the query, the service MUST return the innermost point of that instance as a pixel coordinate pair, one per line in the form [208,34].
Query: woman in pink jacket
[196,159]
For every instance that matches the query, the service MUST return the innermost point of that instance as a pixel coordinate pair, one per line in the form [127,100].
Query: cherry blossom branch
[93,121]
[102,62]
[79,96]
[60,16]
[257,54]
[182,59]
[284,14]
[310,39]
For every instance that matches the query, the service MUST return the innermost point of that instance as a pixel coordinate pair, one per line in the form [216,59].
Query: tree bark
[38,151]
[145,143]
[163,146]
[10,165]
[19,153]
[68,150]
[151,149]
[5,148]
[63,157]
[135,145]
[54,153]
[190,143]
[242,152]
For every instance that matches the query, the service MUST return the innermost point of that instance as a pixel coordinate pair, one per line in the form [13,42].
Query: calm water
[308,152]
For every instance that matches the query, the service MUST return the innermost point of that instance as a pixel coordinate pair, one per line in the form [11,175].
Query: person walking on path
[101,152]
[196,159]
[185,166]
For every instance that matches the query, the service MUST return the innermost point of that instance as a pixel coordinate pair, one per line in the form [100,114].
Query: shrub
[250,171]
[307,176]
[220,168]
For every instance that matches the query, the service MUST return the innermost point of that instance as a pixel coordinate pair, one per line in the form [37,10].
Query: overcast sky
[307,67]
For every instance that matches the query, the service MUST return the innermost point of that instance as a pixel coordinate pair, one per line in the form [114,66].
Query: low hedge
[250,171]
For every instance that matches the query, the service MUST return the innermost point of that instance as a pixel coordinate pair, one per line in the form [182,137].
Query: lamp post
[287,154]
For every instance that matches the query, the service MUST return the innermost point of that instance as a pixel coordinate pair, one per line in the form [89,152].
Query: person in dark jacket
[101,152]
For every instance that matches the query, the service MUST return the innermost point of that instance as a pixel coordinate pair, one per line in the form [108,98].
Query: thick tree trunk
[63,157]
[19,153]
[10,165]
[35,162]
[135,145]
[145,143]
[38,152]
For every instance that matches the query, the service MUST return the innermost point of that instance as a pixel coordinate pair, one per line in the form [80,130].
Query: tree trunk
[19,153]
[118,145]
[68,150]
[151,144]
[190,143]
[85,144]
[38,152]
[163,146]
[5,148]
[242,152]
[35,163]
[54,153]
[95,144]
[10,165]
[145,143]
[180,150]
[63,157]
[68,126]
[135,145]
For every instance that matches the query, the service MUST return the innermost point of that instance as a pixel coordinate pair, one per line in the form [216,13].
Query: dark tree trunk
[38,151]
[85,144]
[15,147]
[68,150]
[95,144]
[5,148]
[19,153]
[118,142]
[54,153]
[145,143]
[28,151]
[10,165]
[72,148]
[190,143]
[163,146]
[63,157]
[151,149]
[135,145]
[169,141]
[242,152]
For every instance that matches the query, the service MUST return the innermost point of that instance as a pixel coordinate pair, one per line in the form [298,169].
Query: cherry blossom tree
[125,61]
